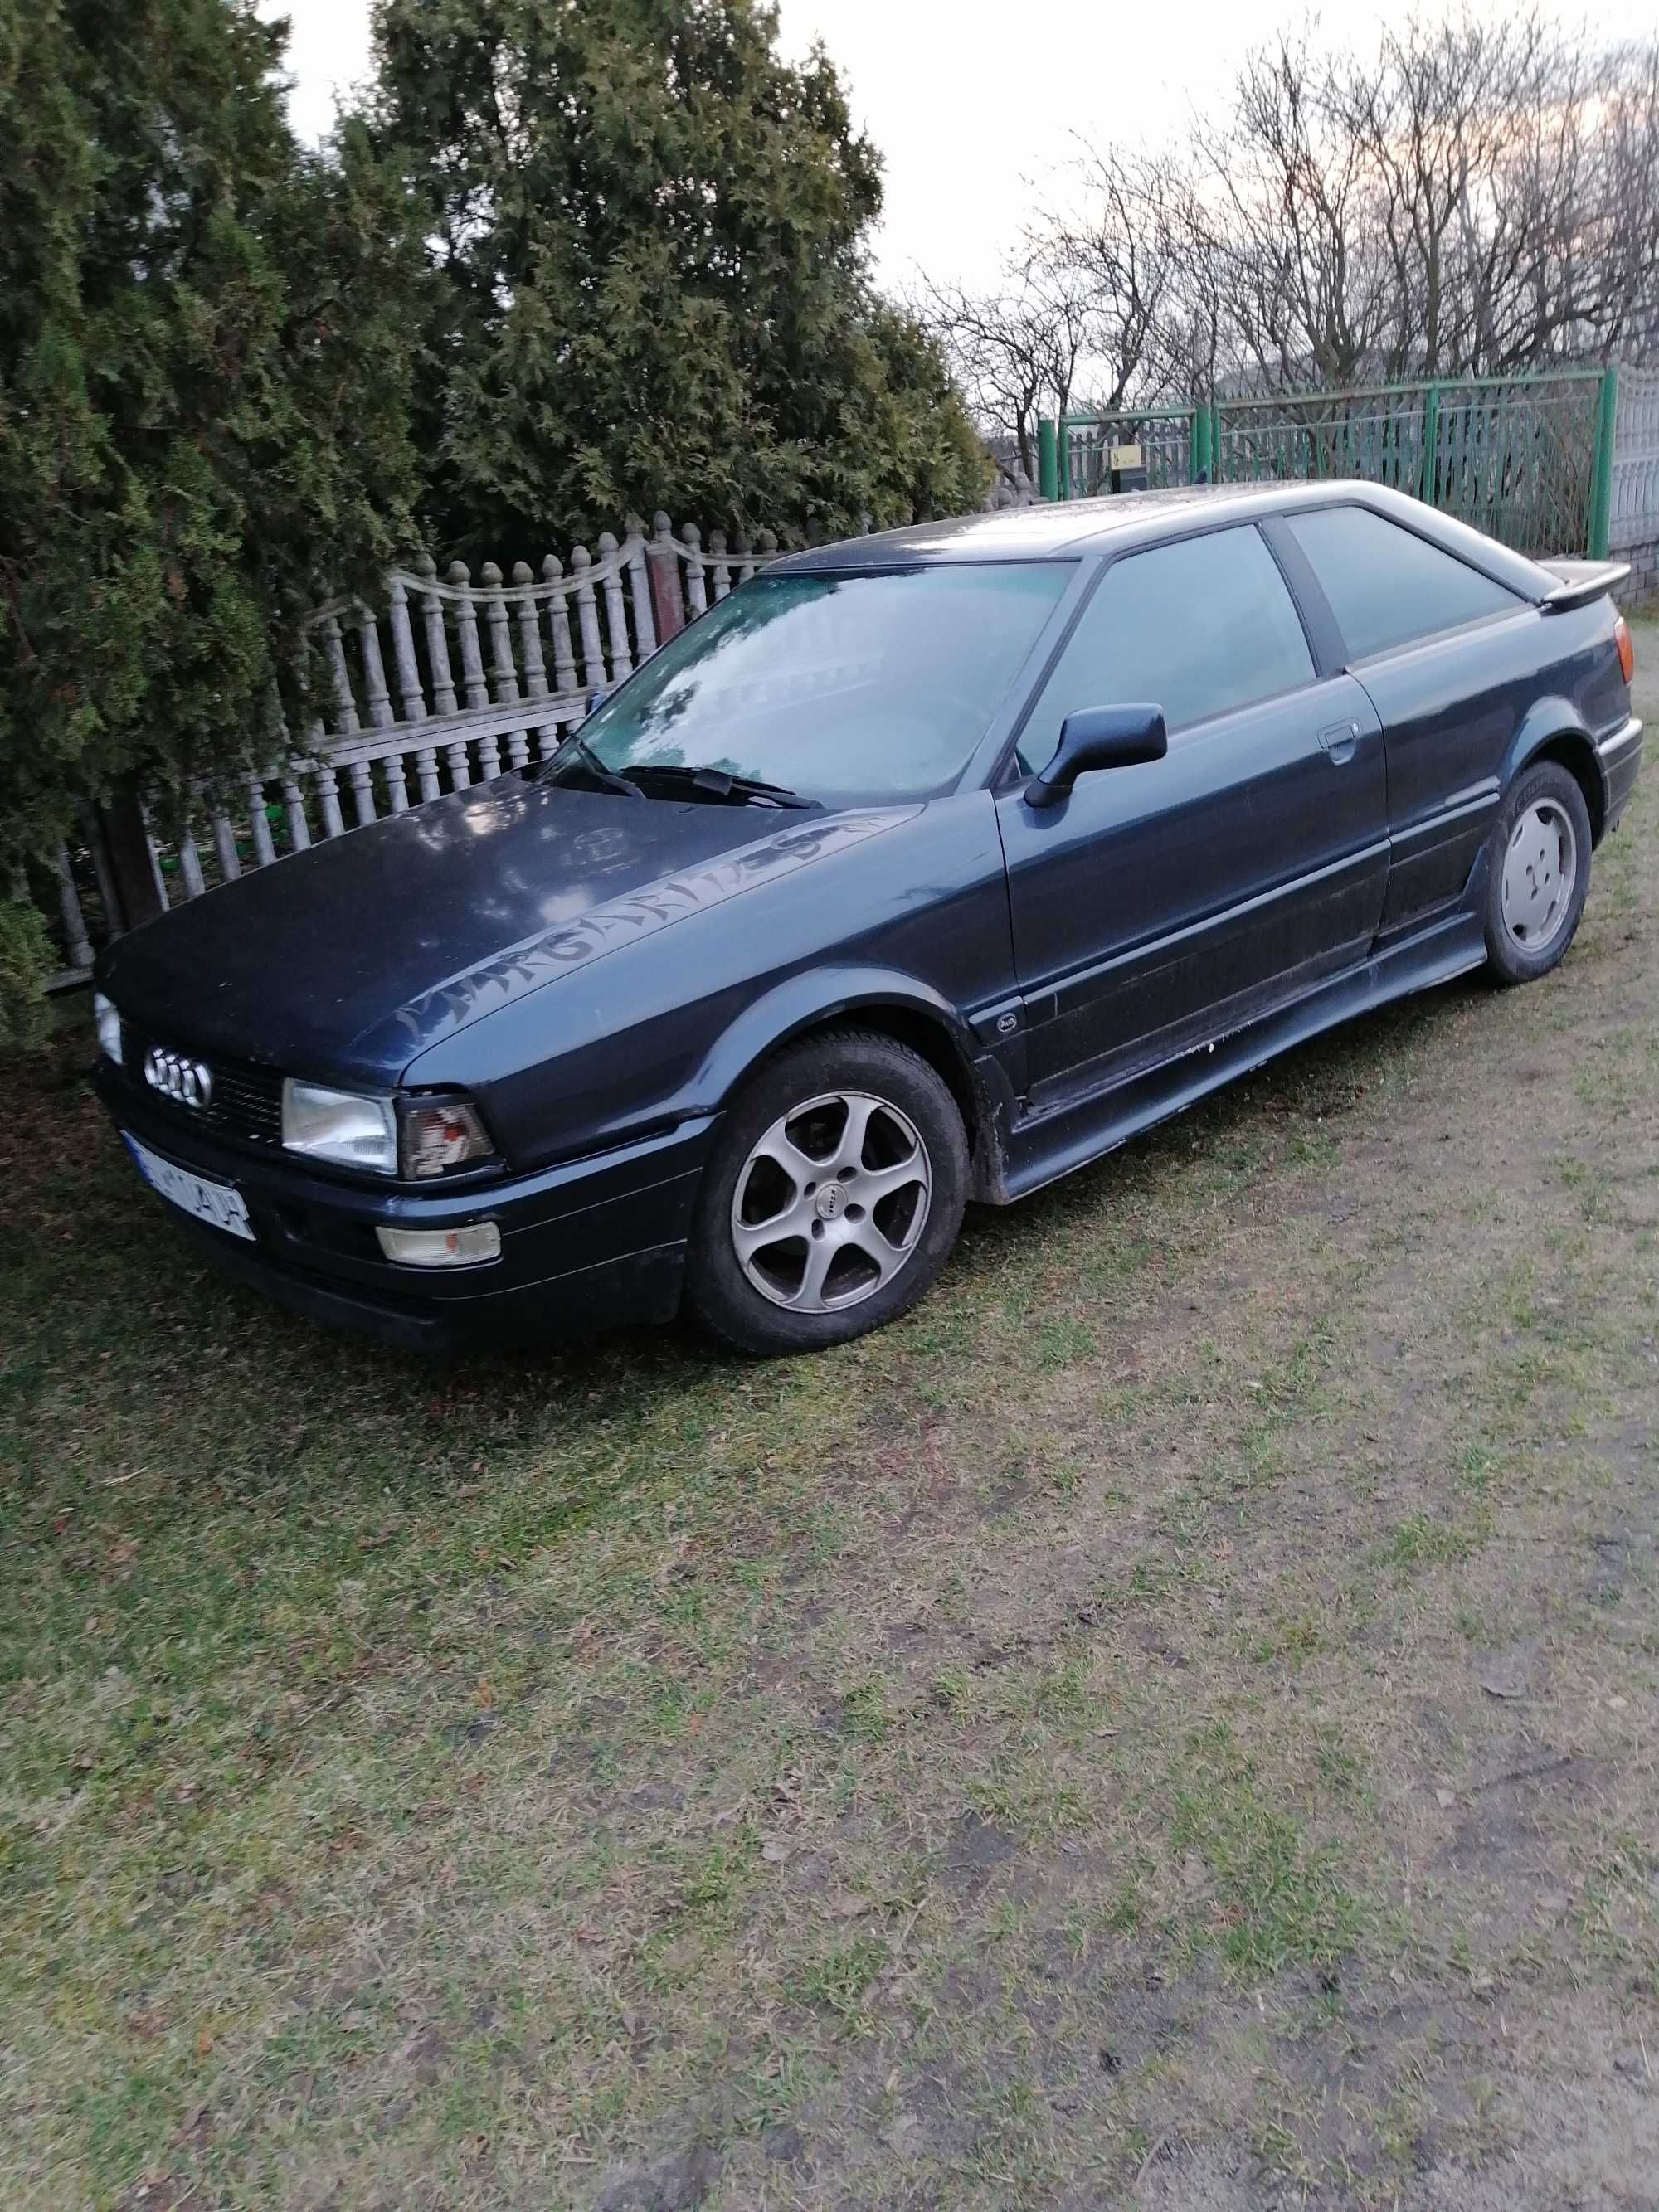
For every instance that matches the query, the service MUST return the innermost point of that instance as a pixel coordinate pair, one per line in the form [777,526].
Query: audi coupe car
[923,868]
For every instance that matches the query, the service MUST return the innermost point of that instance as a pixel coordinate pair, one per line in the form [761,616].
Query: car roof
[1063,529]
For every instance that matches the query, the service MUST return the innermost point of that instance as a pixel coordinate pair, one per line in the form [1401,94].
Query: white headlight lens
[440,1137]
[109,1027]
[442,1248]
[339,1126]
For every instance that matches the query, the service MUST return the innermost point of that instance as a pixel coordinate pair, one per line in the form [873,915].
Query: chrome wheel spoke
[795,1220]
[820,1258]
[778,1146]
[856,1134]
[881,1183]
[870,1238]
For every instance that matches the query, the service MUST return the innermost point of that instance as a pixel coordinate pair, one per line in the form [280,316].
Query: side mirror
[1098,737]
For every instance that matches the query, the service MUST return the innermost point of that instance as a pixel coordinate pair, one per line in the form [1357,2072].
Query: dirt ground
[1172,1724]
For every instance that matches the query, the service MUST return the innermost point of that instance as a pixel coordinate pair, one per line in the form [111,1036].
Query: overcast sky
[976,108]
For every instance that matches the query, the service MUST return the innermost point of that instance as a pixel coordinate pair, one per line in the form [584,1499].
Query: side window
[1198,626]
[1386,585]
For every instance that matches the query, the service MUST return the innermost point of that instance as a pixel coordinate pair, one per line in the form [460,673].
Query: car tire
[1537,874]
[791,1253]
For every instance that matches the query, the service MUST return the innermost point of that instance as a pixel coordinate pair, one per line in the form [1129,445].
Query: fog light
[465,1247]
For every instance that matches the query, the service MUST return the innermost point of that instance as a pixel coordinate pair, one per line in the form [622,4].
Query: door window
[1196,628]
[1386,585]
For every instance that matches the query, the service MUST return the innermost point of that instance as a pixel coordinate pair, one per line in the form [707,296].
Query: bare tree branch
[1471,198]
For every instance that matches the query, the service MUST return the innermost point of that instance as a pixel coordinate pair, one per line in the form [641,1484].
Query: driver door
[1165,903]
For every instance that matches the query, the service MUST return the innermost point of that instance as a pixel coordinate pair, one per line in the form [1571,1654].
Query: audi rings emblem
[189,1081]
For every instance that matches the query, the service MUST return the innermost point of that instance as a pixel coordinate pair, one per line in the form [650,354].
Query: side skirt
[1046,1146]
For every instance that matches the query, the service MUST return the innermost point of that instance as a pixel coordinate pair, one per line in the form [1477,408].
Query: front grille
[246,1102]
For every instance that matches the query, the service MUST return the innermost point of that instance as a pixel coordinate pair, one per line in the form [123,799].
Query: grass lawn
[1171,1722]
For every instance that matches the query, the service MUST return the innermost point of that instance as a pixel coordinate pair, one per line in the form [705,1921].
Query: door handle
[1340,740]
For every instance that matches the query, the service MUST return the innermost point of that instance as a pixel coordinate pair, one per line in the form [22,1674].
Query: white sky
[975,105]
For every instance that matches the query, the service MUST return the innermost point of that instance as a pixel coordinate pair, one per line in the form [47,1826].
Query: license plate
[214,1202]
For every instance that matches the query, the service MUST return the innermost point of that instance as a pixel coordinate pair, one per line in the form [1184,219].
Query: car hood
[349,959]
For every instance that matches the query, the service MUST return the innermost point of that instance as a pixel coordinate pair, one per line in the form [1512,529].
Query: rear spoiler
[1580,582]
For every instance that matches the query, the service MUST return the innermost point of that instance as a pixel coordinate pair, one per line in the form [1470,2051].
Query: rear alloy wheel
[833,1197]
[1538,873]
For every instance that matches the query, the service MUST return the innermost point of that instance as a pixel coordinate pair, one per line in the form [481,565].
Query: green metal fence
[1528,459]
[1168,438]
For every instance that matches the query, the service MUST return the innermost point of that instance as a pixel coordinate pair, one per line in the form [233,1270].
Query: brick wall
[1644,585]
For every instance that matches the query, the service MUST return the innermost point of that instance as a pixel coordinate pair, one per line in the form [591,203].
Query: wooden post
[328,800]
[466,629]
[437,643]
[530,635]
[334,652]
[505,670]
[189,862]
[294,806]
[558,625]
[265,849]
[639,593]
[696,587]
[224,846]
[362,791]
[667,606]
[375,693]
[595,676]
[411,699]
[132,869]
[397,786]
[621,661]
[722,567]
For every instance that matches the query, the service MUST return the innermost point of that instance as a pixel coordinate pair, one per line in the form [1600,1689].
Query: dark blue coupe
[923,868]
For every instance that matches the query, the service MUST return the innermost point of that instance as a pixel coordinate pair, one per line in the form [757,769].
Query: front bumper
[584,1244]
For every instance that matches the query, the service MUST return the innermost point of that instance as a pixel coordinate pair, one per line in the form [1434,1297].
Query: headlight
[339,1126]
[439,1134]
[109,1027]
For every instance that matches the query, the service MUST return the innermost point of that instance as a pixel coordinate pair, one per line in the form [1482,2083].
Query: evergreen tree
[204,373]
[649,236]
[596,259]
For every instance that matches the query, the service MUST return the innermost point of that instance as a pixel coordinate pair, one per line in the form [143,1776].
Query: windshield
[834,687]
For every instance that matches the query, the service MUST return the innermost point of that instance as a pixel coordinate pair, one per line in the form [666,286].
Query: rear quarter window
[1386,587]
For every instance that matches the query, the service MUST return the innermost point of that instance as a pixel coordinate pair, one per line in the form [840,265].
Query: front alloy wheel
[832,1197]
[830,1201]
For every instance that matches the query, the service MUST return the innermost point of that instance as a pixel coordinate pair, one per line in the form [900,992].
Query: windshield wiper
[606,777]
[719,785]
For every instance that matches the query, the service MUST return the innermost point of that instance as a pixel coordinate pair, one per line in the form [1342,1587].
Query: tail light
[1626,645]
